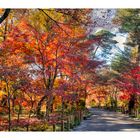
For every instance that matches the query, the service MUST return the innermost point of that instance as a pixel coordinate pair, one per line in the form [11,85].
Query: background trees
[124,62]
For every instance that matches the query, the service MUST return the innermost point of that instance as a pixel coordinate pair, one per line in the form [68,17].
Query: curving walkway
[103,120]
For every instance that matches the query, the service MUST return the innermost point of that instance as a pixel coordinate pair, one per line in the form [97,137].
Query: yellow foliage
[1,10]
[1,94]
[124,12]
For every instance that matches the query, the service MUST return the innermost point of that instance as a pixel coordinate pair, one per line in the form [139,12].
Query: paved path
[103,120]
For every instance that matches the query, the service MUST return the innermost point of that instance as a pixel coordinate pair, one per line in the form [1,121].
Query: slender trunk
[39,105]
[131,104]
[19,112]
[51,103]
[9,112]
[5,30]
[32,104]
[47,109]
[62,116]
[9,108]
[13,105]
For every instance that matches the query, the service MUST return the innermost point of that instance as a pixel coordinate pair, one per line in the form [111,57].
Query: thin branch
[56,22]
[5,15]
[67,14]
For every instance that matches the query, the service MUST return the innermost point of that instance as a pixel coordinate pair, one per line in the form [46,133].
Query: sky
[103,19]
[121,39]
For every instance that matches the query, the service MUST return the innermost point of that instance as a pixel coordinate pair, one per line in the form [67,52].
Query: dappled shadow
[103,120]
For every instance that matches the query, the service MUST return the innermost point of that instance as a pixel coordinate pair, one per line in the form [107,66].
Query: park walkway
[102,120]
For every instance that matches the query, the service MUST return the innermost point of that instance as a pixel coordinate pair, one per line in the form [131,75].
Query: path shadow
[103,120]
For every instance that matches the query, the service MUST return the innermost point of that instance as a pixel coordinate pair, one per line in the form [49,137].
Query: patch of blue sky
[117,48]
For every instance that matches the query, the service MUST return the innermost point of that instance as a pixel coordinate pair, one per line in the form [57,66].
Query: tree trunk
[19,112]
[32,104]
[47,109]
[131,104]
[9,112]
[9,108]
[39,105]
[62,116]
